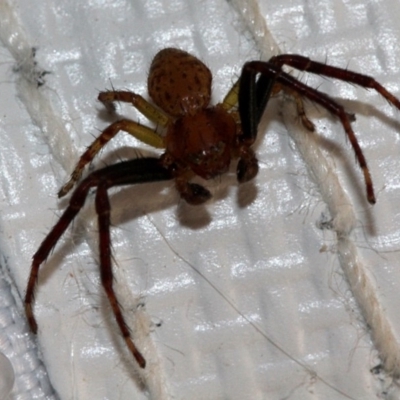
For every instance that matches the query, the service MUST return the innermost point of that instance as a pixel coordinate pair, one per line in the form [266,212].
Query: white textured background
[294,331]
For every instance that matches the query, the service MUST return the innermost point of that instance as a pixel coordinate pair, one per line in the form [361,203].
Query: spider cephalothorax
[197,138]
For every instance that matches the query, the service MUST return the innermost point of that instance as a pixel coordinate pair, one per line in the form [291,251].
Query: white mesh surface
[270,315]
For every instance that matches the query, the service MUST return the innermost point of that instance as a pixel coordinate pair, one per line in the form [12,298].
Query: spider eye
[208,156]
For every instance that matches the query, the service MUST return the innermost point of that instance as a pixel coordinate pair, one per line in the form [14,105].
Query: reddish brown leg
[247,167]
[76,203]
[103,212]
[247,107]
[305,64]
[147,109]
[125,173]
[141,132]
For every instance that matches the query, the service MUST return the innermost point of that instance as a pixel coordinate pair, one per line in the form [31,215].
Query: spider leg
[247,167]
[103,212]
[297,98]
[141,132]
[302,113]
[130,172]
[305,64]
[263,89]
[76,203]
[231,98]
[248,110]
[253,97]
[147,109]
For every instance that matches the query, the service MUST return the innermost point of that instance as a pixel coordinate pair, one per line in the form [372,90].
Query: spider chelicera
[199,139]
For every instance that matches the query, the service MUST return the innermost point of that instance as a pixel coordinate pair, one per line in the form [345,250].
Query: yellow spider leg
[141,132]
[147,109]
[309,125]
[299,105]
[231,99]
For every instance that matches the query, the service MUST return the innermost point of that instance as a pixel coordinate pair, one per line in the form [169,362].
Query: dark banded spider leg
[140,170]
[252,103]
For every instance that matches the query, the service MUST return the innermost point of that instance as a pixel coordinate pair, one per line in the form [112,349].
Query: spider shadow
[107,115]
[352,175]
[339,152]
[126,360]
[247,192]
[127,203]
[369,110]
[193,217]
[130,203]
[60,252]
[153,196]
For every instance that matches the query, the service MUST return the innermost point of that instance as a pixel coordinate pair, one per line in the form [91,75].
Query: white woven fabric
[245,297]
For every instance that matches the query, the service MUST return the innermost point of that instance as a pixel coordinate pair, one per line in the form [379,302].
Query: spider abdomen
[179,83]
